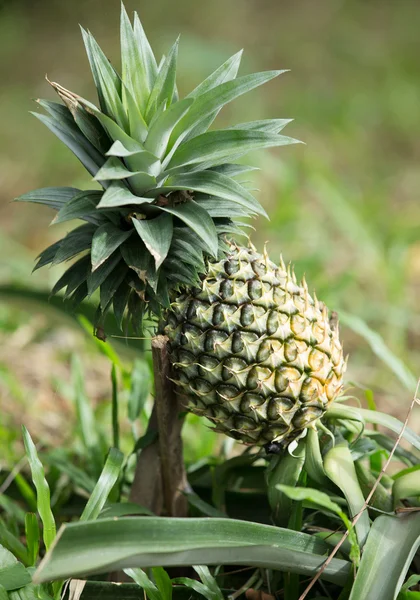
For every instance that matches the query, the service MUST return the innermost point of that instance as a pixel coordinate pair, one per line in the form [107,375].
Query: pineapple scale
[252,351]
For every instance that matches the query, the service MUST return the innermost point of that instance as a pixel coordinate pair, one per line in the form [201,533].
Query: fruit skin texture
[253,351]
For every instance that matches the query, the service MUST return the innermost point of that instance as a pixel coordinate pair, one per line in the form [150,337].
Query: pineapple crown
[168,195]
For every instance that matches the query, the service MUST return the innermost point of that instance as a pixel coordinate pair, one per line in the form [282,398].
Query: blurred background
[344,207]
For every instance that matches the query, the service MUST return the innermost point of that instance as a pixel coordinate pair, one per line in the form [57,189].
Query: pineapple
[251,349]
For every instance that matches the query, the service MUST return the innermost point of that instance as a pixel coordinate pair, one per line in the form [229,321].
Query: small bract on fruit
[253,351]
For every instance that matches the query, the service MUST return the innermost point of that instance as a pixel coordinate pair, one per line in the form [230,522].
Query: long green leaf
[163,89]
[340,411]
[32,534]
[284,470]
[13,574]
[106,239]
[90,158]
[216,147]
[140,577]
[42,489]
[98,546]
[406,486]
[268,125]
[106,482]
[80,205]
[146,54]
[215,98]
[54,197]
[339,467]
[226,72]
[119,195]
[200,222]
[134,74]
[387,556]
[215,184]
[156,235]
[13,543]
[161,128]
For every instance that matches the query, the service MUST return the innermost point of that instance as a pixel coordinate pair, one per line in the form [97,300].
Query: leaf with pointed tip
[179,271]
[91,128]
[189,252]
[217,146]
[200,222]
[111,284]
[47,256]
[156,235]
[215,98]
[232,170]
[139,259]
[88,155]
[84,118]
[267,125]
[109,83]
[161,128]
[146,53]
[119,195]
[137,125]
[113,169]
[164,86]
[78,295]
[134,74]
[97,277]
[226,72]
[137,158]
[74,275]
[220,208]
[233,229]
[215,184]
[106,239]
[54,197]
[79,206]
[75,242]
[93,68]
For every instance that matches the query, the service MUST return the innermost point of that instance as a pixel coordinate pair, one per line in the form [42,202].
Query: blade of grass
[115,421]
[42,489]
[32,534]
[106,482]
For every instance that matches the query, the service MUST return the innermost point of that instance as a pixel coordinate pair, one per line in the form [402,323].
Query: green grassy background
[344,208]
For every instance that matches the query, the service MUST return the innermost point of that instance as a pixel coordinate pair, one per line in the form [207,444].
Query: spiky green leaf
[215,98]
[217,146]
[54,197]
[200,222]
[215,184]
[161,128]
[106,239]
[156,235]
[79,206]
[164,87]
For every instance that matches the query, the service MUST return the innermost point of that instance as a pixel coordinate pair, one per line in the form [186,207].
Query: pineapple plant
[251,349]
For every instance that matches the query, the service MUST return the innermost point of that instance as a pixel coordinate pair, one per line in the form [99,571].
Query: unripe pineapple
[252,350]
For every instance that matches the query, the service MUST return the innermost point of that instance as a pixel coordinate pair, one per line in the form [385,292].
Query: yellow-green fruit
[253,351]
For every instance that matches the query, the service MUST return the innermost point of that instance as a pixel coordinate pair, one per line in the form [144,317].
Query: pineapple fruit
[251,349]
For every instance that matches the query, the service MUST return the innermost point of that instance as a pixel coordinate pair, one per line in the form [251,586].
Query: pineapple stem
[160,477]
